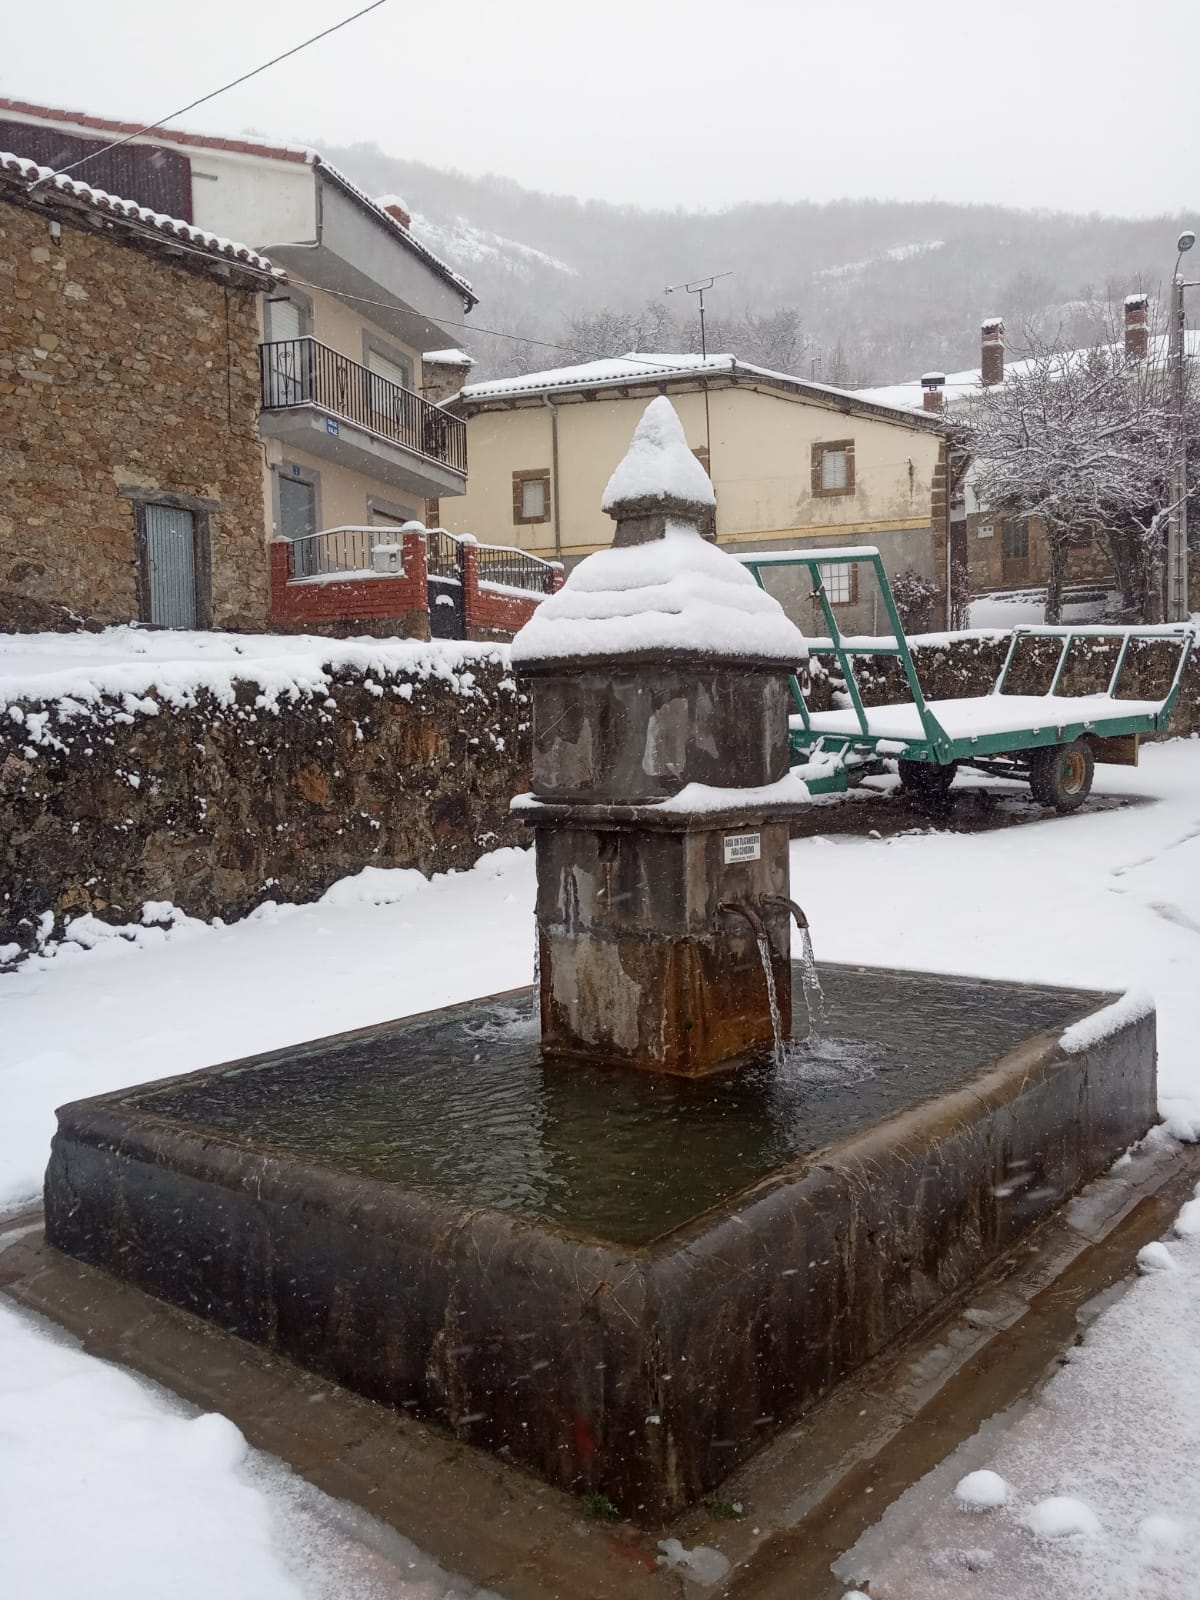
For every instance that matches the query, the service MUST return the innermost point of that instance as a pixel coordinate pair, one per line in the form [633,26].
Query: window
[839,583]
[833,467]
[1016,539]
[289,361]
[531,496]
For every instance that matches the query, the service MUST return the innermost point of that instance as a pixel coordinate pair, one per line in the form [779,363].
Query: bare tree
[1084,439]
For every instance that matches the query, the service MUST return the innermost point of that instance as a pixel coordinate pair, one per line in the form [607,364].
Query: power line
[439,320]
[245,77]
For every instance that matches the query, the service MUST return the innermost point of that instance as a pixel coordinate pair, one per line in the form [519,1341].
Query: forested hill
[854,292]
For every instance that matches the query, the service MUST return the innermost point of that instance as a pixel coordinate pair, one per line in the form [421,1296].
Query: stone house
[997,551]
[130,460]
[350,445]
[792,463]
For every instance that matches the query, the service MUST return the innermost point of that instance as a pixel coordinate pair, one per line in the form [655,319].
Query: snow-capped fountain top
[662,588]
[658,466]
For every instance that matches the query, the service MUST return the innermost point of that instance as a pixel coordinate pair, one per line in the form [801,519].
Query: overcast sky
[1074,104]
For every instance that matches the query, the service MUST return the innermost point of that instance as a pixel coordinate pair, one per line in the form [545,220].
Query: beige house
[793,464]
[349,440]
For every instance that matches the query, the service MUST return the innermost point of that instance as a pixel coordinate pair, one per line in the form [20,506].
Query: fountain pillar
[661,784]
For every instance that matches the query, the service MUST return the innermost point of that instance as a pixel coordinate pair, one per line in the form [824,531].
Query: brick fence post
[280,555]
[414,554]
[468,555]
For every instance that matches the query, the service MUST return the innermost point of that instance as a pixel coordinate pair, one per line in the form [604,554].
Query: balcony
[318,400]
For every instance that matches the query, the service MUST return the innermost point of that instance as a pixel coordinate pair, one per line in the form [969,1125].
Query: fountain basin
[623,1282]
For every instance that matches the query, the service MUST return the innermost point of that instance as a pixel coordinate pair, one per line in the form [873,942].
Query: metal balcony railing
[304,372]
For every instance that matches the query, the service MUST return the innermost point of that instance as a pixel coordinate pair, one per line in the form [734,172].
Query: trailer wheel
[1060,775]
[924,778]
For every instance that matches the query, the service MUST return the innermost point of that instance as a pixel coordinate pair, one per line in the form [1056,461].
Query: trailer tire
[926,779]
[1060,775]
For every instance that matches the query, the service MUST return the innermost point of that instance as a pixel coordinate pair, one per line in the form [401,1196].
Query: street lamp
[1177,534]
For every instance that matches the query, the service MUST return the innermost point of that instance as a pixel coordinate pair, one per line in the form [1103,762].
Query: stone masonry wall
[218,801]
[119,370]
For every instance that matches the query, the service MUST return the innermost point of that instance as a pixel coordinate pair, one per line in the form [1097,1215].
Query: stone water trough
[621,1240]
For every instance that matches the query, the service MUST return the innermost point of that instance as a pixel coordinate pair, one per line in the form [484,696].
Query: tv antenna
[697,287]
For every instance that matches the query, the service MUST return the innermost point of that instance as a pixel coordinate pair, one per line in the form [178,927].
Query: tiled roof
[206,141]
[249,147]
[32,179]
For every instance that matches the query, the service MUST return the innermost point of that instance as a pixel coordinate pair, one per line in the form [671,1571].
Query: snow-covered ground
[1011,608]
[1105,899]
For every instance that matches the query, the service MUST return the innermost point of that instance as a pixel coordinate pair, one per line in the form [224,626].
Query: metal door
[298,522]
[171,567]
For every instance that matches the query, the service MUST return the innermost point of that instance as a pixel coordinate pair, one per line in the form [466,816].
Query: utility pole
[1177,531]
[697,287]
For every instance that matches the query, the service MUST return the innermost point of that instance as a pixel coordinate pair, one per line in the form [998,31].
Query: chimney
[1137,333]
[932,387]
[992,352]
[443,373]
[394,206]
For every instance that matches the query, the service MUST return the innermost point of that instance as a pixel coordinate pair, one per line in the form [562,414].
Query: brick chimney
[1137,332]
[933,391]
[394,206]
[992,352]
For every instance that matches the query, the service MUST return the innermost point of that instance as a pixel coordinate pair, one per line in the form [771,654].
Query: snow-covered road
[1104,899]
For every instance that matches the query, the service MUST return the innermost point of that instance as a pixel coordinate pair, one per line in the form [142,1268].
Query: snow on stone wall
[221,789]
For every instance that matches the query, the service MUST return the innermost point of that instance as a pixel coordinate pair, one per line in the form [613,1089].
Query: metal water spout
[739,908]
[796,911]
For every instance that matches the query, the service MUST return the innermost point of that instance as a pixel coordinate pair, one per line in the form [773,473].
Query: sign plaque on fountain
[661,787]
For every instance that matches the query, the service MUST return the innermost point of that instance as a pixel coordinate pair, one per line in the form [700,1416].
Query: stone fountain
[623,1255]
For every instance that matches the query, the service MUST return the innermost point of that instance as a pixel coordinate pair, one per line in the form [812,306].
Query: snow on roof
[677,593]
[961,385]
[443,268]
[1141,298]
[658,464]
[448,358]
[34,177]
[618,372]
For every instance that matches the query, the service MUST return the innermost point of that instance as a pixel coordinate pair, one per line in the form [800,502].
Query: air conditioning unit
[387,558]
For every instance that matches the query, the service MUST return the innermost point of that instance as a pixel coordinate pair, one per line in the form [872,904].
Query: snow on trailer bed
[979,716]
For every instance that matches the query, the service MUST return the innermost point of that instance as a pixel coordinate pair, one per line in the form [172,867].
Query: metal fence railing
[444,555]
[300,372]
[338,550]
[516,569]
[350,552]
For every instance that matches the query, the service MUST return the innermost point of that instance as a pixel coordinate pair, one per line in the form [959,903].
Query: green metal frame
[832,757]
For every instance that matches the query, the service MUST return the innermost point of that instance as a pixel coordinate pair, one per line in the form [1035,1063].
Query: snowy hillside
[854,292]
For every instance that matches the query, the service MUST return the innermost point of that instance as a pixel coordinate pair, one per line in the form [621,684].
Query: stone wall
[220,800]
[121,372]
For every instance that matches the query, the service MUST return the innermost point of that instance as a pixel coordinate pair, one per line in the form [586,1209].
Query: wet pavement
[969,807]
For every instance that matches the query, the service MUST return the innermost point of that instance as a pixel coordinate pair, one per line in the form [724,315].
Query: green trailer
[1051,741]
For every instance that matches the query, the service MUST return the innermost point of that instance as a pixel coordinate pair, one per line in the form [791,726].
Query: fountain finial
[658,480]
